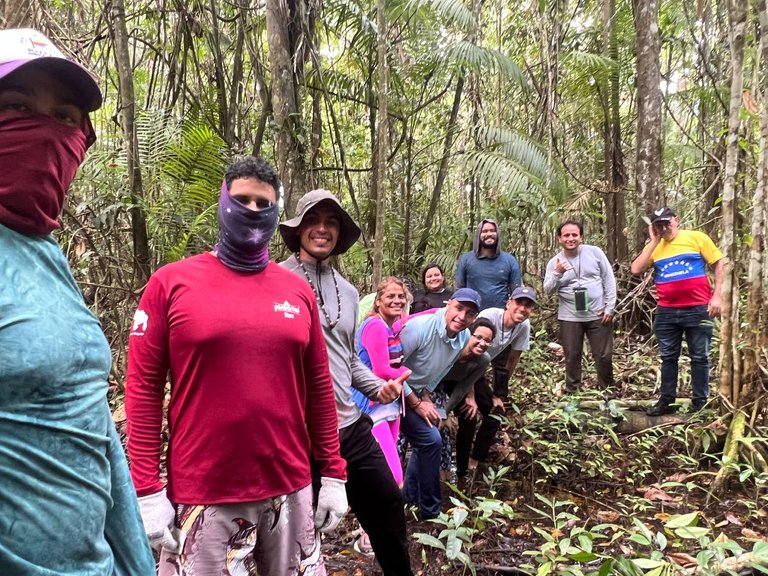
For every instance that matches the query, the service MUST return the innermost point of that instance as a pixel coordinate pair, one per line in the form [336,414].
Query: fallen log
[628,415]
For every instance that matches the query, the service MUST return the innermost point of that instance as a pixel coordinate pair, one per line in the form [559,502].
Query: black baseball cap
[664,214]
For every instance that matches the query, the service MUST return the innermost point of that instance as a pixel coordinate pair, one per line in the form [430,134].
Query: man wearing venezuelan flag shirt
[687,302]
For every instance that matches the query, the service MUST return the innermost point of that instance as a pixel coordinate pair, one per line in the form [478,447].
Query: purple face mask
[244,234]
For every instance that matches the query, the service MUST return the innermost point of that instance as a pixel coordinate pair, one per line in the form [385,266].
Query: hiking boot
[663,406]
[697,405]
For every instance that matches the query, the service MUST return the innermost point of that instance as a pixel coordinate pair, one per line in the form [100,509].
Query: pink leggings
[386,433]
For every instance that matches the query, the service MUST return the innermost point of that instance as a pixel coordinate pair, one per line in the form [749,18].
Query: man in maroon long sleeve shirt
[251,400]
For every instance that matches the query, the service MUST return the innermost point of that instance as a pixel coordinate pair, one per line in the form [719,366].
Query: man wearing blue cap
[431,344]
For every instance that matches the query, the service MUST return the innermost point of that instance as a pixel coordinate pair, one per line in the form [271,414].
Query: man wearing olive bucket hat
[321,229]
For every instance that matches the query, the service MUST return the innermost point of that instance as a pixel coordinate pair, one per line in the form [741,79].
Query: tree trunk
[730,376]
[142,268]
[756,313]
[265,95]
[442,172]
[615,175]
[379,177]
[648,163]
[214,45]
[711,120]
[729,328]
[232,135]
[289,132]
[17,14]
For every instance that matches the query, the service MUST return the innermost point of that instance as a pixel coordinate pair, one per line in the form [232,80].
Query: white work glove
[158,515]
[331,504]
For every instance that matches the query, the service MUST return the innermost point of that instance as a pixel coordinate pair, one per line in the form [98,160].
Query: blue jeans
[669,326]
[422,475]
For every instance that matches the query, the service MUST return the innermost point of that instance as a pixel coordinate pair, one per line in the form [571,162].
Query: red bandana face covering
[38,161]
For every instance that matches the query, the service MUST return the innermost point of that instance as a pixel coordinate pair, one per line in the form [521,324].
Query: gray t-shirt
[590,269]
[518,337]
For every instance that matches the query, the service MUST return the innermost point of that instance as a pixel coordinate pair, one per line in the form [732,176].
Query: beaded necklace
[319,298]
[511,328]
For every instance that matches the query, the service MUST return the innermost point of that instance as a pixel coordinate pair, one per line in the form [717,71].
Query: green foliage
[182,168]
[565,545]
[566,441]
[480,60]
[513,163]
[451,12]
[569,550]
[467,519]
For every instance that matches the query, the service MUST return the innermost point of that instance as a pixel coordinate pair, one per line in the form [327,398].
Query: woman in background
[434,294]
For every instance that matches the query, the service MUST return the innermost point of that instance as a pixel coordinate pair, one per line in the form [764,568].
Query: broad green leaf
[459,515]
[452,547]
[428,540]
[583,556]
[640,539]
[691,531]
[682,520]
[647,563]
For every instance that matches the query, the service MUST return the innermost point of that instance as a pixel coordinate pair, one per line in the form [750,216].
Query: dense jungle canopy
[425,116]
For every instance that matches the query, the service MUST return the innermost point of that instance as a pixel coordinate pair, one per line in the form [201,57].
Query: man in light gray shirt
[321,229]
[583,279]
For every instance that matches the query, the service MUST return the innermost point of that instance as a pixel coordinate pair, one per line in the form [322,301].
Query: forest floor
[602,486]
[566,492]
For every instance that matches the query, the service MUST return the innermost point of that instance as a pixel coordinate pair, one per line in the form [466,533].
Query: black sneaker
[663,406]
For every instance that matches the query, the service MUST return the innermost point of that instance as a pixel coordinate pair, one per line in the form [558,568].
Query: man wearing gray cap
[513,331]
[321,229]
[686,302]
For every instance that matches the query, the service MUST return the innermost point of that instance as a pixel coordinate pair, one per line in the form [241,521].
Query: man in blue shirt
[431,344]
[494,274]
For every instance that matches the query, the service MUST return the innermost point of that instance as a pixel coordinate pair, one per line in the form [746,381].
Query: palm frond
[512,162]
[480,59]
[340,84]
[450,12]
[197,158]
[595,64]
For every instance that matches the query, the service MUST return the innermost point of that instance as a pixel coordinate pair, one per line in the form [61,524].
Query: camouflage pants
[274,537]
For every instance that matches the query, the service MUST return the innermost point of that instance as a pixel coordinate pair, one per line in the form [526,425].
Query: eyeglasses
[481,339]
